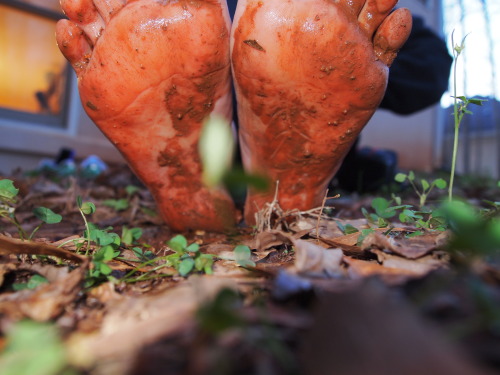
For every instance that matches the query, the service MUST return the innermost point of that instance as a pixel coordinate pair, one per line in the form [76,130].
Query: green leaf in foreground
[440,183]
[178,243]
[130,235]
[47,215]
[400,177]
[33,349]
[88,208]
[8,191]
[243,256]
[216,147]
[186,266]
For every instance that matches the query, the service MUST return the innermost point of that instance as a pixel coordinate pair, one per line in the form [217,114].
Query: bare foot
[309,74]
[149,72]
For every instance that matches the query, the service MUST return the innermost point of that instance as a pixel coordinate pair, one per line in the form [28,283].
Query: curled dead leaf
[411,248]
[47,301]
[313,259]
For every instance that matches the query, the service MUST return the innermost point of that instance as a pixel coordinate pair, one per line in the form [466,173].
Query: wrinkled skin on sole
[308,75]
[149,72]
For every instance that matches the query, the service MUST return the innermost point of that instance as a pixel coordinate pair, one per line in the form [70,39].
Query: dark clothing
[419,75]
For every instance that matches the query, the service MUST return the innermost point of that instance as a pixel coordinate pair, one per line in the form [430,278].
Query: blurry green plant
[8,201]
[123,203]
[243,256]
[34,349]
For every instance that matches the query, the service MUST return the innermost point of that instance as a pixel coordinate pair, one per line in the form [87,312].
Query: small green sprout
[34,282]
[425,187]
[123,203]
[460,104]
[8,201]
[187,258]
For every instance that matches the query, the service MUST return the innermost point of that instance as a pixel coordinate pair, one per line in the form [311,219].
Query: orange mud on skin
[307,81]
[156,70]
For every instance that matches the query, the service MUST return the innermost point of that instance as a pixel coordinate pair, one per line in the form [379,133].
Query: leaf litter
[309,282]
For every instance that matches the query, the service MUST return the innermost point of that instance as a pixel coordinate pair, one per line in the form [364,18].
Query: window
[34,73]
[479,22]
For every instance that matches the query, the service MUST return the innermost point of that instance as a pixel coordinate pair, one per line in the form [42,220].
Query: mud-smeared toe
[373,14]
[85,14]
[73,44]
[107,8]
[392,35]
[352,7]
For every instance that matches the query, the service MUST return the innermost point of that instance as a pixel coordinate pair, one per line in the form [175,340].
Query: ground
[312,296]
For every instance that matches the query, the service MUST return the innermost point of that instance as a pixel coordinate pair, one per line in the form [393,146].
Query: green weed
[8,201]
[460,104]
[243,256]
[425,187]
[34,349]
[123,203]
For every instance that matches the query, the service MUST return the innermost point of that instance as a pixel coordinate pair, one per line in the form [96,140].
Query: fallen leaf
[392,276]
[312,259]
[411,248]
[48,300]
[419,267]
[135,322]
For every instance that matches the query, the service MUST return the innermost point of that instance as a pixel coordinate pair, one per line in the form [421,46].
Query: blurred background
[40,110]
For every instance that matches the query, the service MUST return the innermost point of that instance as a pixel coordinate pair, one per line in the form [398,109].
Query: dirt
[400,306]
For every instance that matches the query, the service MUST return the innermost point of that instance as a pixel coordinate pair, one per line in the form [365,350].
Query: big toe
[73,44]
[392,35]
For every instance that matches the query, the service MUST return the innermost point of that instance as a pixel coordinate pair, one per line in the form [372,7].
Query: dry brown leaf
[47,301]
[419,267]
[270,238]
[312,259]
[411,248]
[361,269]
[135,322]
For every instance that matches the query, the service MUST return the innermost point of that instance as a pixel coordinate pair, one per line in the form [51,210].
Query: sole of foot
[308,74]
[149,73]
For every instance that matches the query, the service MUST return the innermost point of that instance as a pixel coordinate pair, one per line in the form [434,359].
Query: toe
[392,35]
[352,7]
[107,8]
[373,14]
[73,44]
[85,14]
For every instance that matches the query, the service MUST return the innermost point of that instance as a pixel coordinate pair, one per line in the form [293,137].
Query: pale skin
[308,75]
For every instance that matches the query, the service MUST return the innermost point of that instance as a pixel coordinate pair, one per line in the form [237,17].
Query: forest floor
[108,289]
